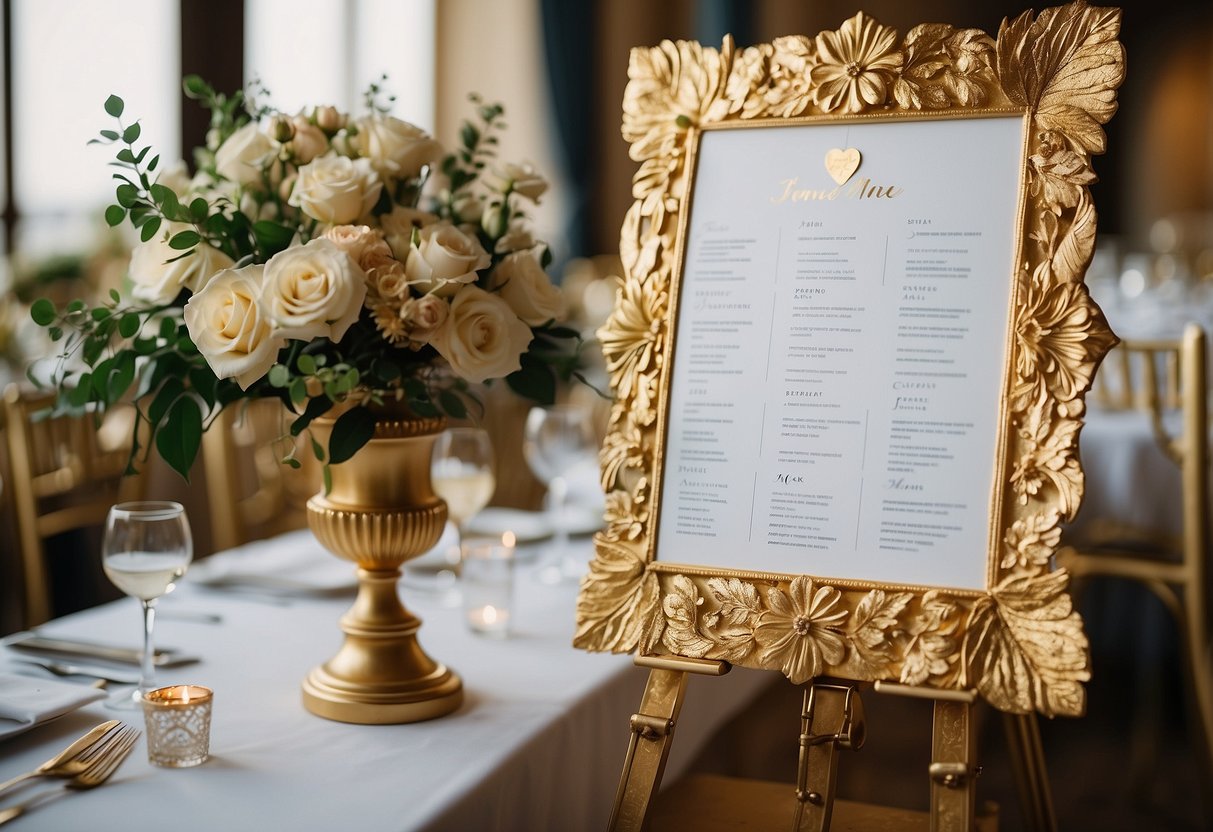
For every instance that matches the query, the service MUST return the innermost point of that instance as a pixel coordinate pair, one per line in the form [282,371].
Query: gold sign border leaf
[1021,645]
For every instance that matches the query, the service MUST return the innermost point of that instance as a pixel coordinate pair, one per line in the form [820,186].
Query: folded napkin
[26,701]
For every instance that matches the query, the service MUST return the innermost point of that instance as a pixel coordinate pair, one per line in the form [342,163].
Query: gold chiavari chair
[1162,378]
[251,493]
[65,474]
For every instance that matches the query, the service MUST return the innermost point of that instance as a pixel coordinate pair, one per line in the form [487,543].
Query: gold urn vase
[380,512]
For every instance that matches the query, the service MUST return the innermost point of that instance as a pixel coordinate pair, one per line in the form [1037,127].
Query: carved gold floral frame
[1020,644]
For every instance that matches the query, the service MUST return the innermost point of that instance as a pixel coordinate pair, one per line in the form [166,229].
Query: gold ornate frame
[1020,644]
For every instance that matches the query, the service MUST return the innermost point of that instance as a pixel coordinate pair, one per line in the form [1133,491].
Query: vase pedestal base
[336,699]
[381,676]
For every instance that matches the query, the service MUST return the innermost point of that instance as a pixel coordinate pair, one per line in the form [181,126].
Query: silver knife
[57,645]
[93,671]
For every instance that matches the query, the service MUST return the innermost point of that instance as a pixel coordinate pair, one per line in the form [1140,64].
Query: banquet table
[1129,480]
[537,745]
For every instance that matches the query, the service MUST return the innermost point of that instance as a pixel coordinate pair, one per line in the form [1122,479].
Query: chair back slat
[66,473]
[251,493]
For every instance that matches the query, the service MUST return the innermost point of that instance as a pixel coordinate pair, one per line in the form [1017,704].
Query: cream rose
[398,227]
[397,149]
[524,285]
[308,142]
[312,291]
[523,180]
[362,243]
[244,155]
[157,280]
[442,258]
[229,328]
[516,238]
[335,189]
[425,316]
[482,337]
[388,280]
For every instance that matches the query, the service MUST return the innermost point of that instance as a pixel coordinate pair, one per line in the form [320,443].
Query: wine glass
[147,548]
[556,441]
[462,474]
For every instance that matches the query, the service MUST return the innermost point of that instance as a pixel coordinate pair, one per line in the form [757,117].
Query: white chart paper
[841,349]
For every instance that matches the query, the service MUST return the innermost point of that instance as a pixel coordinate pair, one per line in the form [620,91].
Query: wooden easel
[832,719]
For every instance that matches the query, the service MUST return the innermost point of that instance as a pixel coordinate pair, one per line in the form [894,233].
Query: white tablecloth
[538,744]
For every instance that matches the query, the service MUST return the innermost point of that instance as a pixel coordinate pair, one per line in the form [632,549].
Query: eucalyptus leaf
[42,311]
[150,227]
[113,106]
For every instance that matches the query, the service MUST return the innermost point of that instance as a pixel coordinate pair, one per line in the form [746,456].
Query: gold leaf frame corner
[1020,644]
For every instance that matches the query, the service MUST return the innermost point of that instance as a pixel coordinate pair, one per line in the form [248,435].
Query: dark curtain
[716,18]
[568,39]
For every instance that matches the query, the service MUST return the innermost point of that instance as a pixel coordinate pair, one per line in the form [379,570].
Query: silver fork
[102,768]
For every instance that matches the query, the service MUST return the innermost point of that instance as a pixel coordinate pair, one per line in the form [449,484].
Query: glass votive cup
[488,587]
[178,720]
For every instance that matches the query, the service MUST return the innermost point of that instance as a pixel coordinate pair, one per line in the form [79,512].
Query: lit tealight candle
[488,584]
[178,720]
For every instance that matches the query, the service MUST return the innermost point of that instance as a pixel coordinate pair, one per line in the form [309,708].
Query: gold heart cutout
[842,164]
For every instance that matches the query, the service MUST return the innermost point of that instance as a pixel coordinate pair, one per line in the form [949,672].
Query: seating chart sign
[849,355]
[841,350]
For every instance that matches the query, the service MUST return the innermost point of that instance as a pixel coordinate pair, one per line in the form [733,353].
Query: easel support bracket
[832,718]
[652,731]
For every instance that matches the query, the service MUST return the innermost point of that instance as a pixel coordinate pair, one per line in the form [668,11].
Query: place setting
[147,548]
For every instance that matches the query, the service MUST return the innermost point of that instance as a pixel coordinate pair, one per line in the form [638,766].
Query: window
[67,57]
[312,52]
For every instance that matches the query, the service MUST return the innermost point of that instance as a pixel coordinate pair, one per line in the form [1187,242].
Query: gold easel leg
[1031,777]
[652,731]
[832,718]
[953,772]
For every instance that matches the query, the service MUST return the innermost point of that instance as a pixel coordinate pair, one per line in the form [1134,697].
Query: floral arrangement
[314,258]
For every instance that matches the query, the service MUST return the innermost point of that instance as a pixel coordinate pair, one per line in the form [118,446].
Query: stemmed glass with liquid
[147,549]
[557,441]
[461,471]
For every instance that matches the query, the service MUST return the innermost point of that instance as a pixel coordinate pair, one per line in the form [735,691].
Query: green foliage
[121,349]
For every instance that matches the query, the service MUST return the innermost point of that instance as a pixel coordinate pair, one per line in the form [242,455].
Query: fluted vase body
[380,512]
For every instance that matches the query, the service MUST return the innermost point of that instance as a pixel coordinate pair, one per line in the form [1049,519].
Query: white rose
[335,189]
[443,258]
[425,316]
[524,285]
[397,149]
[244,155]
[312,291]
[523,180]
[156,280]
[398,227]
[229,328]
[482,337]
